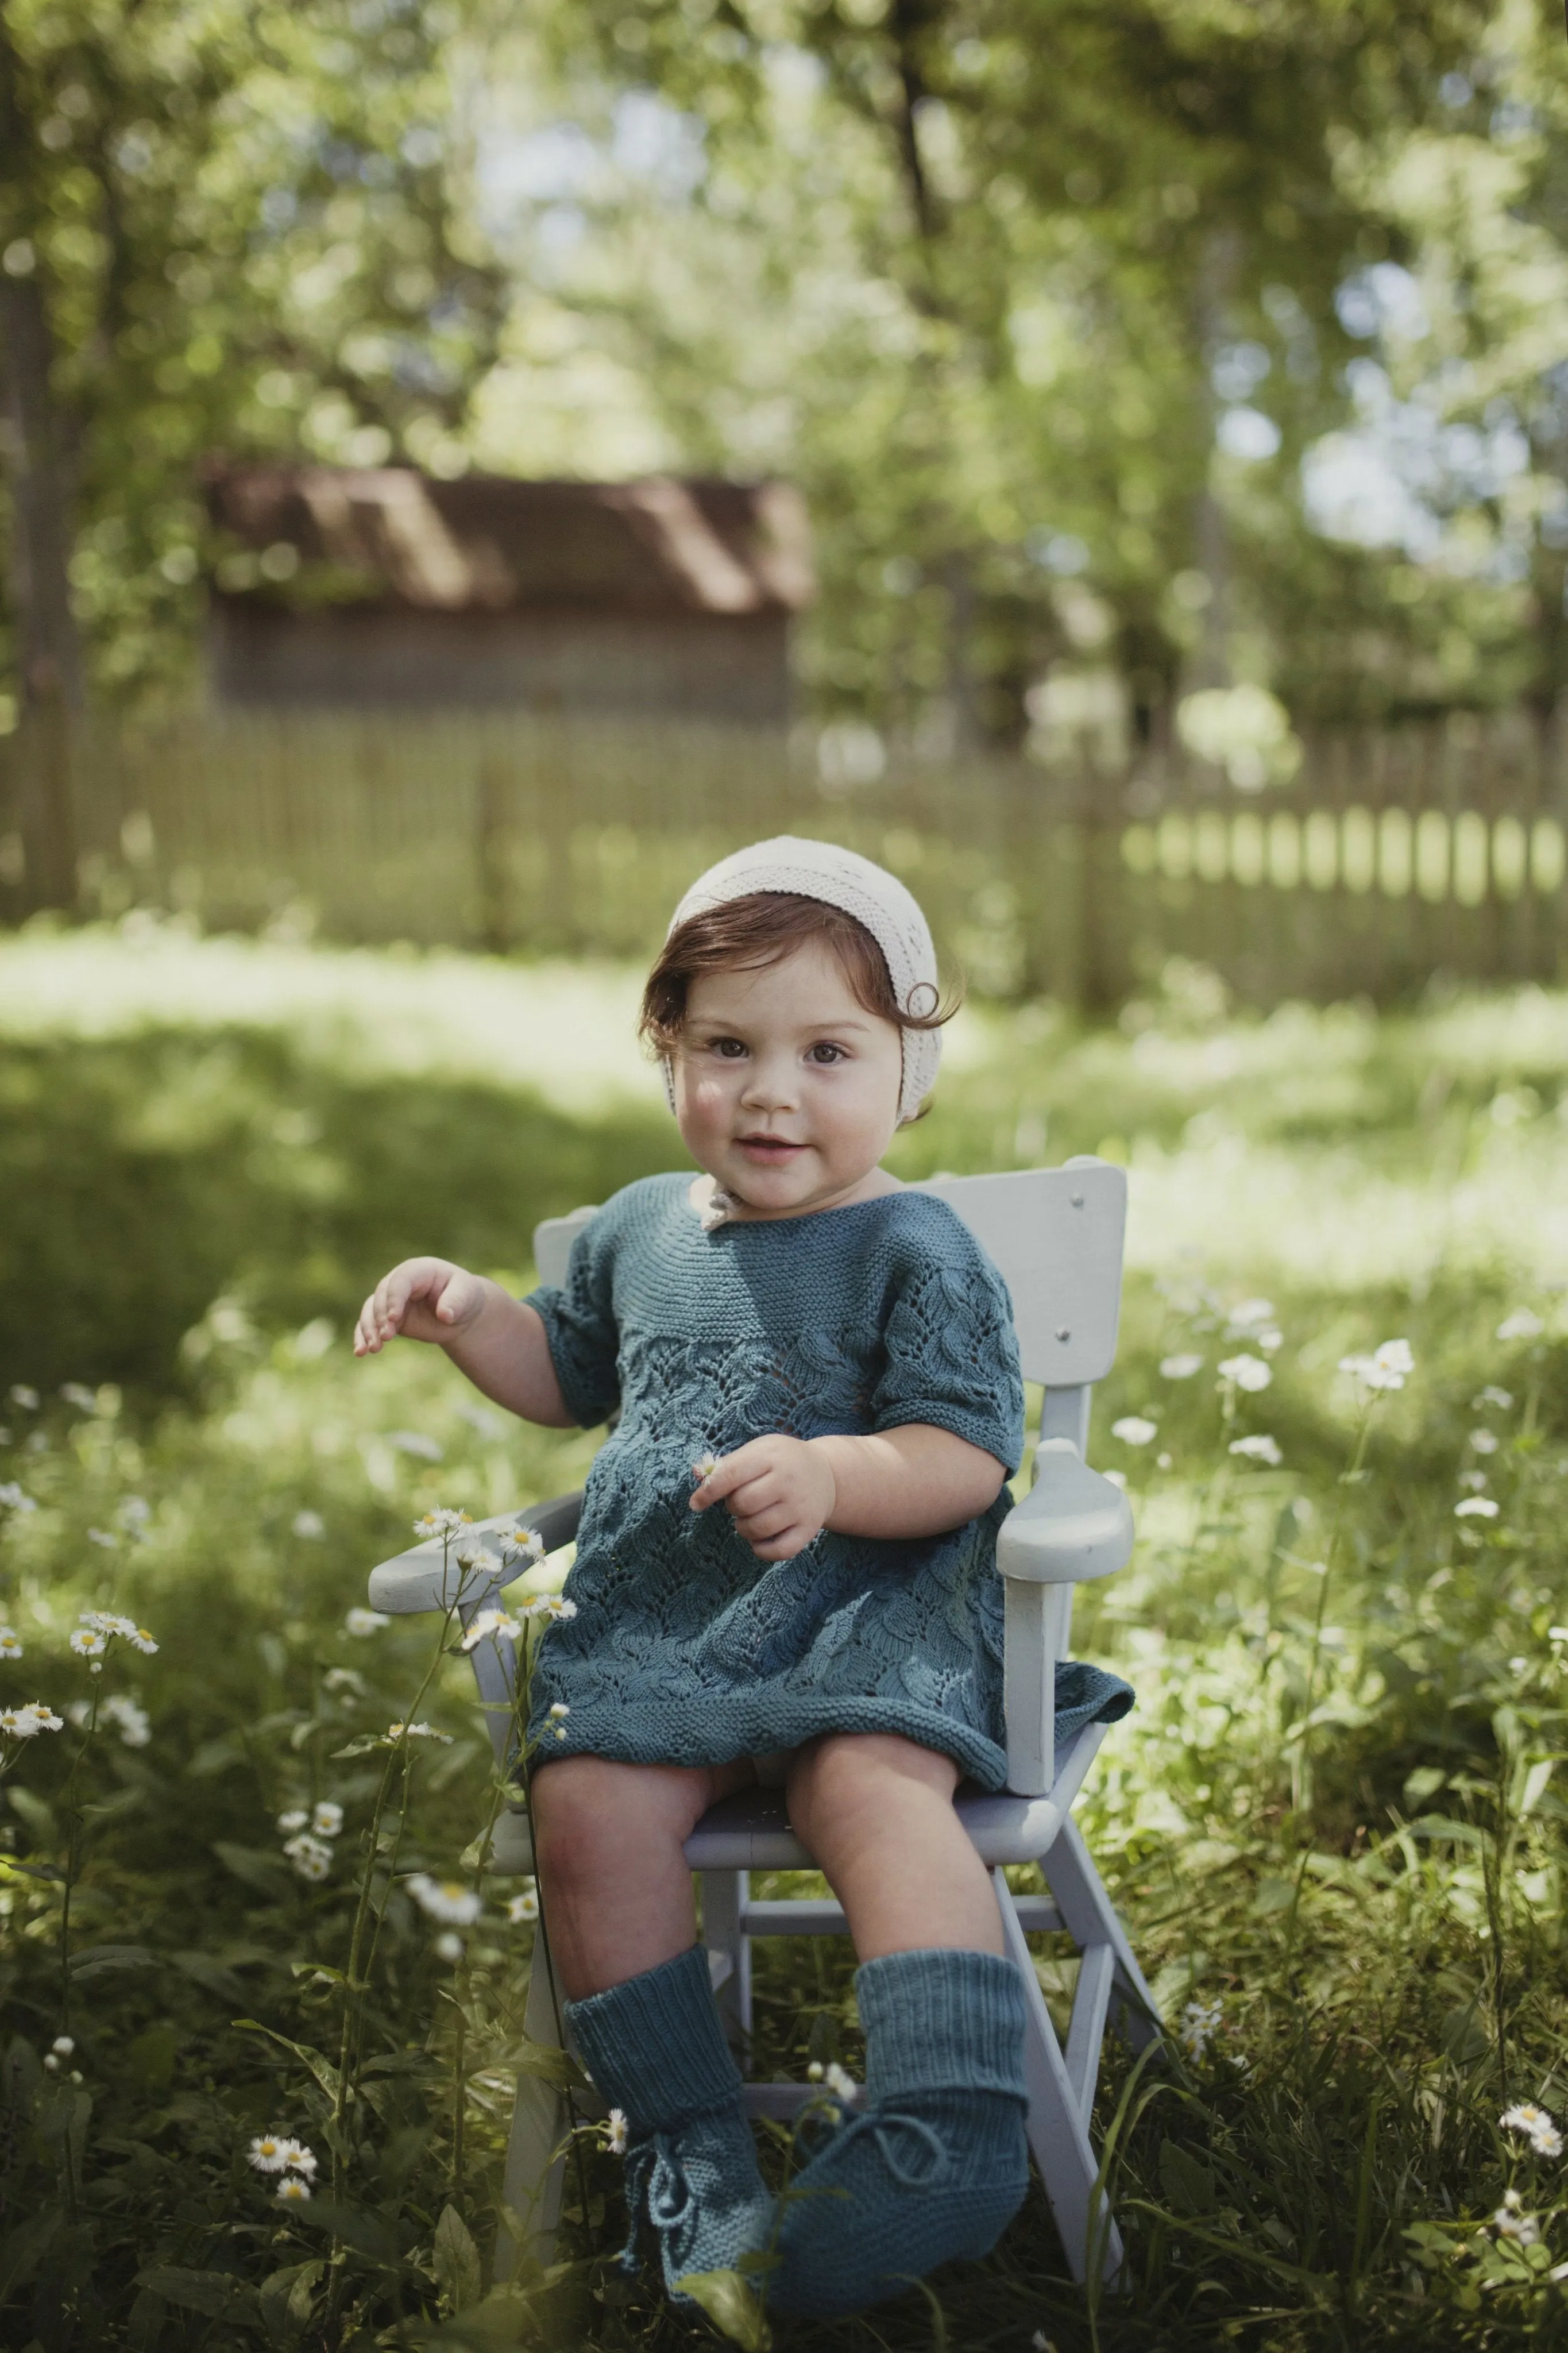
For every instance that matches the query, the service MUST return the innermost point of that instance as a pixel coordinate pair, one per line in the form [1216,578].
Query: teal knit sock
[657,2051]
[936,2166]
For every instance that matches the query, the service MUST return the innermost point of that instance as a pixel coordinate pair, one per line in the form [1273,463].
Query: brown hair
[762,929]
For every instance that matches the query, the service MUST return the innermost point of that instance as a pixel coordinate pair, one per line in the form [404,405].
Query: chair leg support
[1086,2029]
[535,2153]
[1090,1918]
[1058,2133]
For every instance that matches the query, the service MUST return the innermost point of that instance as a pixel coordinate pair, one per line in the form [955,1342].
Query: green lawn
[1332,1822]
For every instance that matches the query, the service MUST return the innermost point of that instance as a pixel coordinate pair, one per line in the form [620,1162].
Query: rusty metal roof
[485,542]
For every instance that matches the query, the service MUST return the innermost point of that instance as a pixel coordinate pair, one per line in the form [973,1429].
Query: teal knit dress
[686,1648]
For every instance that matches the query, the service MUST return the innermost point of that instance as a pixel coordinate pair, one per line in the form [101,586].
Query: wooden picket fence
[1391,857]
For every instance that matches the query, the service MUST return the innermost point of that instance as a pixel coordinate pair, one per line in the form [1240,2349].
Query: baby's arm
[497,1340]
[916,1481]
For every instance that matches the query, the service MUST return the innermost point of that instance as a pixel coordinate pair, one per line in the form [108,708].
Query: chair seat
[751,1831]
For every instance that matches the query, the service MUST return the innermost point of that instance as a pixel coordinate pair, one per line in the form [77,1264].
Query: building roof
[486,544]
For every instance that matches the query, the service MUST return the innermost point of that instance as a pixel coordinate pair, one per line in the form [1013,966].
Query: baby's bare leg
[608,1841]
[877,1811]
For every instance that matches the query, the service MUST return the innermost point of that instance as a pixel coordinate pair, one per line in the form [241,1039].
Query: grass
[1332,1823]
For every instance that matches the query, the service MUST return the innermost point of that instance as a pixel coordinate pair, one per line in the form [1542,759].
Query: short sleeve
[580,1326]
[952,1354]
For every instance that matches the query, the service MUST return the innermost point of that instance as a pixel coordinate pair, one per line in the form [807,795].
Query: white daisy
[1259,1449]
[1536,2124]
[1200,2023]
[1248,1373]
[296,1819]
[76,1393]
[88,1643]
[293,2190]
[327,1817]
[268,2152]
[102,1539]
[365,1622]
[523,1908]
[299,2158]
[705,1466]
[1520,1326]
[489,1623]
[616,2132]
[556,1608]
[445,1899]
[449,1945]
[1483,1441]
[10,1643]
[1180,1367]
[63,2045]
[524,1540]
[839,2082]
[135,1726]
[311,1857]
[418,1732]
[1476,1507]
[309,1525]
[25,1398]
[442,1523]
[1133,1430]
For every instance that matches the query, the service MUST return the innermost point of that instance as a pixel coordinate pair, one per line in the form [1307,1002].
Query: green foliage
[1333,1821]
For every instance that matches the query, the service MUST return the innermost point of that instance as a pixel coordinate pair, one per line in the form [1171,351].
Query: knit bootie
[656,2049]
[936,2165]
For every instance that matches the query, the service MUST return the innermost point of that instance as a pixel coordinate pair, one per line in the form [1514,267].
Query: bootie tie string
[884,2125]
[656,2191]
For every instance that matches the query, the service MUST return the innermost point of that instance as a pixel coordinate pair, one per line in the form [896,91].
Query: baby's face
[786,1090]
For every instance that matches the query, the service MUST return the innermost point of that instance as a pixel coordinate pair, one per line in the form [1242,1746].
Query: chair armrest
[427,1575]
[1072,1526]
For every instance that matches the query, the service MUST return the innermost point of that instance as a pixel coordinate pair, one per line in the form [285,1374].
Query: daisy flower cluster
[132,1718]
[282,2154]
[448,1900]
[1201,2021]
[836,2081]
[27,1722]
[1388,1368]
[307,1834]
[1536,2125]
[489,1625]
[98,1628]
[362,1623]
[442,1523]
[58,2052]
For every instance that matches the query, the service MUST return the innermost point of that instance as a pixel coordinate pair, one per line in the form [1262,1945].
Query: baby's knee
[845,1770]
[594,1816]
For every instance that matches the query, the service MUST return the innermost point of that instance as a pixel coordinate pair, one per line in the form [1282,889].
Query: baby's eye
[825,1051]
[729,1049]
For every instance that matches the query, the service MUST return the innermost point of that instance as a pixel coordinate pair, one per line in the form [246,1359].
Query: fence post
[492,846]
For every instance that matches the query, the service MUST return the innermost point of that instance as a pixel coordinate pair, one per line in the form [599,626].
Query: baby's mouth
[777,1149]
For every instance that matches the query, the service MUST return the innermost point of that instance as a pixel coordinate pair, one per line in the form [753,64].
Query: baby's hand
[423,1298]
[780,1492]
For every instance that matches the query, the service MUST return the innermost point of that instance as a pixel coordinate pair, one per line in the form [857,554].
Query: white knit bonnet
[877,900]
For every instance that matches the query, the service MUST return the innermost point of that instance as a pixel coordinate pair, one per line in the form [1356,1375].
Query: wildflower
[1510,2221]
[84,1399]
[365,1622]
[1248,1373]
[345,1678]
[299,2160]
[268,2152]
[27,1722]
[1133,1430]
[559,1708]
[444,1899]
[414,1441]
[1476,1481]
[1252,1316]
[25,1398]
[1180,1367]
[1384,1369]
[296,1819]
[523,1907]
[293,2190]
[1490,1394]
[1483,1441]
[10,1643]
[14,1498]
[449,1945]
[135,1729]
[1164,1461]
[616,2132]
[1271,1340]
[555,1606]
[63,2045]
[839,2082]
[134,1514]
[442,1523]
[311,1857]
[309,1524]
[1200,2023]
[1536,2125]
[488,1623]
[1520,1326]
[418,1732]
[524,1540]
[1261,1449]
[140,1640]
[51,2062]
[814,2072]
[88,1643]
[557,1719]
[101,1537]
[1476,1507]
[327,1817]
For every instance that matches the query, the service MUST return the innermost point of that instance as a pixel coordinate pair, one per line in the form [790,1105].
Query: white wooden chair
[1057,1237]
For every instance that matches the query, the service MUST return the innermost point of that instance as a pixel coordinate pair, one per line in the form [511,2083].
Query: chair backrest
[1053,1234]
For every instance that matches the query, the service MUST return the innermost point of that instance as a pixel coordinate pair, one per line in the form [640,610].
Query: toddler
[831,1359]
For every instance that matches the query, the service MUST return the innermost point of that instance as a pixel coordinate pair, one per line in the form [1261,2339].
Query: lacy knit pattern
[686,1648]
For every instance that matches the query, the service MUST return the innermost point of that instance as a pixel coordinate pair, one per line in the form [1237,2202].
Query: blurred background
[464,465]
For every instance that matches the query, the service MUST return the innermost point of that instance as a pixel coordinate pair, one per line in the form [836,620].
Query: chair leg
[1058,2136]
[1090,1918]
[536,2150]
[724,1895]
